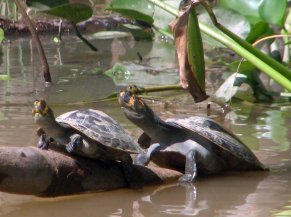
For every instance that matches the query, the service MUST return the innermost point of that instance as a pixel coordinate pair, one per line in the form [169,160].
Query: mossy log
[47,173]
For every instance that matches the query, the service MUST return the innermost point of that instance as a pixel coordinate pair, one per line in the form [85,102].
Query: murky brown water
[265,128]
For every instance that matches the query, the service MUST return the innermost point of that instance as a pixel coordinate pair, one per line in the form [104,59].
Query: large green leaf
[247,8]
[135,9]
[273,11]
[75,11]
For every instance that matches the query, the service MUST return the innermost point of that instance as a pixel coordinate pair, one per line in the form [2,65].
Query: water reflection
[237,194]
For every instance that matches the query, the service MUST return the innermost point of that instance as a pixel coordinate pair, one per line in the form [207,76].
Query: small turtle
[90,133]
[192,145]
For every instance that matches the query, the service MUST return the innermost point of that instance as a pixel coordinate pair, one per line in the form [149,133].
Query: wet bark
[47,173]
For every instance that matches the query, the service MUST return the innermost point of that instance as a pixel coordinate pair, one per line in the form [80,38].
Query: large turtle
[90,133]
[192,145]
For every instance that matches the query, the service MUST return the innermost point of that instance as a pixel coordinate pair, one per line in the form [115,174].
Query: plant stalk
[275,70]
[35,38]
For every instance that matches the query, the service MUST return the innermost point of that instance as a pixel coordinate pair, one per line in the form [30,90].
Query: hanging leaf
[190,53]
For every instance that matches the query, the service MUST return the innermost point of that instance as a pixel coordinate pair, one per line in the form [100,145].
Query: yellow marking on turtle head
[122,93]
[46,109]
[131,101]
[40,107]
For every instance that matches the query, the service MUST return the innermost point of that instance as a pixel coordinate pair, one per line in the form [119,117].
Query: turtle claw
[42,142]
[75,144]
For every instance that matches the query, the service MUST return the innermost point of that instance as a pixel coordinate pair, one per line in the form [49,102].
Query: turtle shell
[223,142]
[100,127]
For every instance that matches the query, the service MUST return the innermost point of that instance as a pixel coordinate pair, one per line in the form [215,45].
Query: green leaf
[247,8]
[74,12]
[118,73]
[1,35]
[273,11]
[139,10]
[109,35]
[242,66]
[270,11]
[260,29]
[4,77]
[45,4]
[195,49]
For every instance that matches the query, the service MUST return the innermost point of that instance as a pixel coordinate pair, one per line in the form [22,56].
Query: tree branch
[47,173]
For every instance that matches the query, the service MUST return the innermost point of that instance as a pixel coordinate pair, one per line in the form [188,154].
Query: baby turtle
[90,133]
[192,145]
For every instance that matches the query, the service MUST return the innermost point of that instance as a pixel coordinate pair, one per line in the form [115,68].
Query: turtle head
[134,108]
[42,112]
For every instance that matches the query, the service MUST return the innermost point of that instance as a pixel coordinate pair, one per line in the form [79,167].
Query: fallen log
[47,173]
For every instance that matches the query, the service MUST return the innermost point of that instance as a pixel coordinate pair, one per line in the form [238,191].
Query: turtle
[191,145]
[89,133]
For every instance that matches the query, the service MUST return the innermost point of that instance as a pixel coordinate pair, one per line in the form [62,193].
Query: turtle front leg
[144,159]
[43,141]
[75,144]
[190,166]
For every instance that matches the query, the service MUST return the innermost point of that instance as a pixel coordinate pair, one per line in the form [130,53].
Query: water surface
[79,83]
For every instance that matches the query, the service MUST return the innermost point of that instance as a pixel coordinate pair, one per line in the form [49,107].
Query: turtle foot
[187,178]
[75,144]
[133,176]
[141,160]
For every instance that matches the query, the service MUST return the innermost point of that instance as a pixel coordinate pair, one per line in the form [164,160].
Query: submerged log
[47,173]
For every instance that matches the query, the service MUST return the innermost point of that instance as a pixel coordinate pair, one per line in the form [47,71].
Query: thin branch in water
[139,56]
[83,39]
[60,29]
[35,38]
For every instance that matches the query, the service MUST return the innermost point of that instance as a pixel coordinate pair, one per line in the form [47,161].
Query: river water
[77,83]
